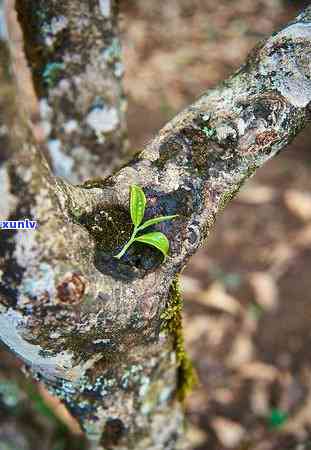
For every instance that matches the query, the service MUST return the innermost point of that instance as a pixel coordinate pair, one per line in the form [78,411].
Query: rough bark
[74,53]
[103,334]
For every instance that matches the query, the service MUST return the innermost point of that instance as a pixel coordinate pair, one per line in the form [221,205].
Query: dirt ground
[248,293]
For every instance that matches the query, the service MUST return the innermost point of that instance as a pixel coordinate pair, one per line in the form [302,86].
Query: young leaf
[137,205]
[155,239]
[156,220]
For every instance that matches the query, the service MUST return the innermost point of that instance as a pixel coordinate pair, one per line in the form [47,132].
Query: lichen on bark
[74,54]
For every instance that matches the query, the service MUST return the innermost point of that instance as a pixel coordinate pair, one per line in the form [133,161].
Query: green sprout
[137,210]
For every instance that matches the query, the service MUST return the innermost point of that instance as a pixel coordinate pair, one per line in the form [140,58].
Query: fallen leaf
[265,289]
[297,423]
[189,285]
[241,352]
[258,370]
[256,194]
[196,436]
[229,433]
[303,237]
[216,297]
[223,395]
[299,203]
[260,400]
[196,327]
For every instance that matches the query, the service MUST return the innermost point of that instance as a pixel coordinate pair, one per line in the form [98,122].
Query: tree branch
[75,57]
[104,334]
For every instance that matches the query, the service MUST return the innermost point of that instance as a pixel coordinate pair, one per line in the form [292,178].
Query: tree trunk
[74,53]
[103,334]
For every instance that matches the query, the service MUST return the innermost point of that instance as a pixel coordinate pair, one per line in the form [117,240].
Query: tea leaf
[157,240]
[137,210]
[137,205]
[156,220]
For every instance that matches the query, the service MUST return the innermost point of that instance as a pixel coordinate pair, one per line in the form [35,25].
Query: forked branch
[104,333]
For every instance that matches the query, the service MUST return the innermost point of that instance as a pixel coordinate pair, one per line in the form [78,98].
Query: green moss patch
[172,323]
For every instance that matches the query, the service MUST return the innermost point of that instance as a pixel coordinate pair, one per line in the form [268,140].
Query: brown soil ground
[248,293]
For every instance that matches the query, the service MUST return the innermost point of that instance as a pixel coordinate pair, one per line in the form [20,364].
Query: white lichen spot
[55,335]
[295,85]
[43,284]
[144,387]
[105,7]
[102,341]
[62,164]
[165,394]
[46,114]
[3,26]
[25,174]
[151,153]
[25,251]
[241,126]
[8,201]
[102,120]
[46,111]
[50,30]
[225,131]
[58,24]
[49,41]
[46,128]
[71,126]
[172,177]
[119,69]
[206,117]
[112,54]
[64,86]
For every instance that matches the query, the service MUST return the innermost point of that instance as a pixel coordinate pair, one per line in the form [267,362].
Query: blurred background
[247,295]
